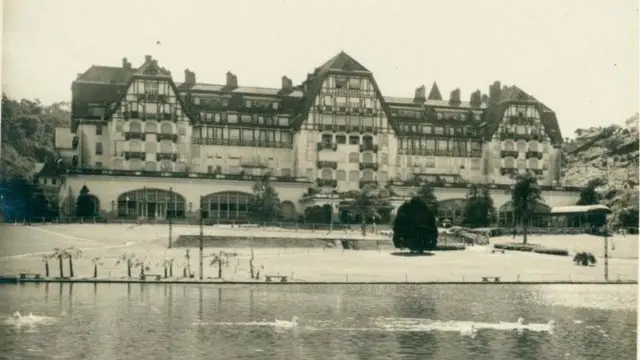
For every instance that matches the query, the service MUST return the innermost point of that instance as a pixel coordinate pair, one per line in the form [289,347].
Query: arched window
[151,203]
[166,128]
[354,157]
[136,164]
[166,147]
[150,127]
[534,146]
[522,145]
[327,174]
[150,166]
[367,157]
[341,175]
[367,175]
[508,146]
[522,164]
[226,205]
[135,126]
[354,176]
[509,163]
[135,146]
[288,210]
[533,164]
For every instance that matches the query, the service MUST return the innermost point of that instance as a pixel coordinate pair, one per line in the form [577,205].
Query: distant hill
[28,130]
[608,155]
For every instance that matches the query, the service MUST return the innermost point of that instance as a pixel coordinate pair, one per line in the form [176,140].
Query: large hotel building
[135,133]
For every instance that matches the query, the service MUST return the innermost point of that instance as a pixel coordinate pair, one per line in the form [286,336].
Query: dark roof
[434,94]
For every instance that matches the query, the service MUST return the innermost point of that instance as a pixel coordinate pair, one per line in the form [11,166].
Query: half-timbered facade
[135,128]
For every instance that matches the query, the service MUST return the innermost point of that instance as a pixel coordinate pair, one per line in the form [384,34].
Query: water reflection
[336,322]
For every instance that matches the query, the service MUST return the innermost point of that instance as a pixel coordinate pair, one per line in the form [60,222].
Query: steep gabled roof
[434,93]
[341,63]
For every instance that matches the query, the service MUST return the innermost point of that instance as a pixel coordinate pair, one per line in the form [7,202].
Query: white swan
[287,324]
[16,315]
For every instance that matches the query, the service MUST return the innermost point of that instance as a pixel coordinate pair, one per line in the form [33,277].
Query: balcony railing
[327,182]
[128,155]
[508,171]
[509,153]
[534,154]
[327,145]
[510,135]
[328,164]
[152,97]
[170,137]
[364,183]
[368,165]
[369,147]
[247,143]
[166,156]
[135,135]
[537,171]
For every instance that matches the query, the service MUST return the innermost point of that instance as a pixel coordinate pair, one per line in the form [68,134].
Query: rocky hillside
[608,155]
[28,129]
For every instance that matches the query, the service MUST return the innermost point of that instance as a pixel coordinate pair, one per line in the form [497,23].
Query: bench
[497,251]
[269,277]
[495,278]
[145,276]
[29,276]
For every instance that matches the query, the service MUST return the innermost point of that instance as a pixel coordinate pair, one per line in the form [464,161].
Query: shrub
[584,258]
[560,252]
[449,247]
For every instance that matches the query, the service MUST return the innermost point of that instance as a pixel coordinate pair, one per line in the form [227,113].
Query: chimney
[287,84]
[78,76]
[495,93]
[420,95]
[476,99]
[147,58]
[125,63]
[189,77]
[485,99]
[232,80]
[454,99]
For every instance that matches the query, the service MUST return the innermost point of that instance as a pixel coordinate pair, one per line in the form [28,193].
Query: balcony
[364,183]
[327,146]
[128,155]
[327,182]
[135,136]
[152,98]
[509,135]
[368,165]
[476,153]
[369,147]
[534,154]
[170,137]
[538,172]
[508,171]
[328,164]
[166,156]
[247,143]
[509,153]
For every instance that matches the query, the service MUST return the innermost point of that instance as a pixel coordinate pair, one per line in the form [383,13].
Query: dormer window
[440,116]
[276,105]
[247,103]
[355,83]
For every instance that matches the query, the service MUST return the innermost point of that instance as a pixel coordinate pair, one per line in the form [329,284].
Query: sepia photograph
[319,179]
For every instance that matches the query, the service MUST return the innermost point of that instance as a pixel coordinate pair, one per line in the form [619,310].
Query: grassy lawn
[305,264]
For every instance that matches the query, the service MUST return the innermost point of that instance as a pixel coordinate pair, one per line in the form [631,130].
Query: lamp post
[170,215]
[201,240]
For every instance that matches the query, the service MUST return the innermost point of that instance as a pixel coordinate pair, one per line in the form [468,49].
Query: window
[442,144]
[234,134]
[521,129]
[509,163]
[354,139]
[247,103]
[341,82]
[327,138]
[119,125]
[341,139]
[246,119]
[97,111]
[98,165]
[354,157]
[326,174]
[98,129]
[276,105]
[508,146]
[151,87]
[427,129]
[438,130]
[232,118]
[209,169]
[354,176]
[182,130]
[285,172]
[98,148]
[283,121]
[247,135]
[355,83]
[286,137]
[341,175]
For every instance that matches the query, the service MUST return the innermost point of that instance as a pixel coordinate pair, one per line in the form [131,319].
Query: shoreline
[17,281]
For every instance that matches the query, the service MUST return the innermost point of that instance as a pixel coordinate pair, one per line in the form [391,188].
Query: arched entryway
[151,204]
[540,217]
[288,211]
[451,209]
[226,205]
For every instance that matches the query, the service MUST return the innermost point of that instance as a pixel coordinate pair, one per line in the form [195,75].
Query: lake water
[138,321]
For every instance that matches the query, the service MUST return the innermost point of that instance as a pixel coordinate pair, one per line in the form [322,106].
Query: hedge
[450,247]
[532,248]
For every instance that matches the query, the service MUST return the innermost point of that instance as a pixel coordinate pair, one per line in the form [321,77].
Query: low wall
[280,242]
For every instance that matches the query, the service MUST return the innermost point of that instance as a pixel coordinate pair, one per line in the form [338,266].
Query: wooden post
[201,241]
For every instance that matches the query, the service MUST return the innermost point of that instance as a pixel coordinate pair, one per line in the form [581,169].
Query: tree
[264,205]
[187,269]
[426,193]
[96,261]
[128,260]
[142,264]
[584,259]
[60,254]
[85,205]
[525,195]
[479,210]
[590,196]
[415,226]
[45,259]
[70,254]
[365,205]
[220,259]
[168,264]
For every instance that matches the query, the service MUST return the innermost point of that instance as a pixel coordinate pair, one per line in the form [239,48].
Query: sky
[579,57]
